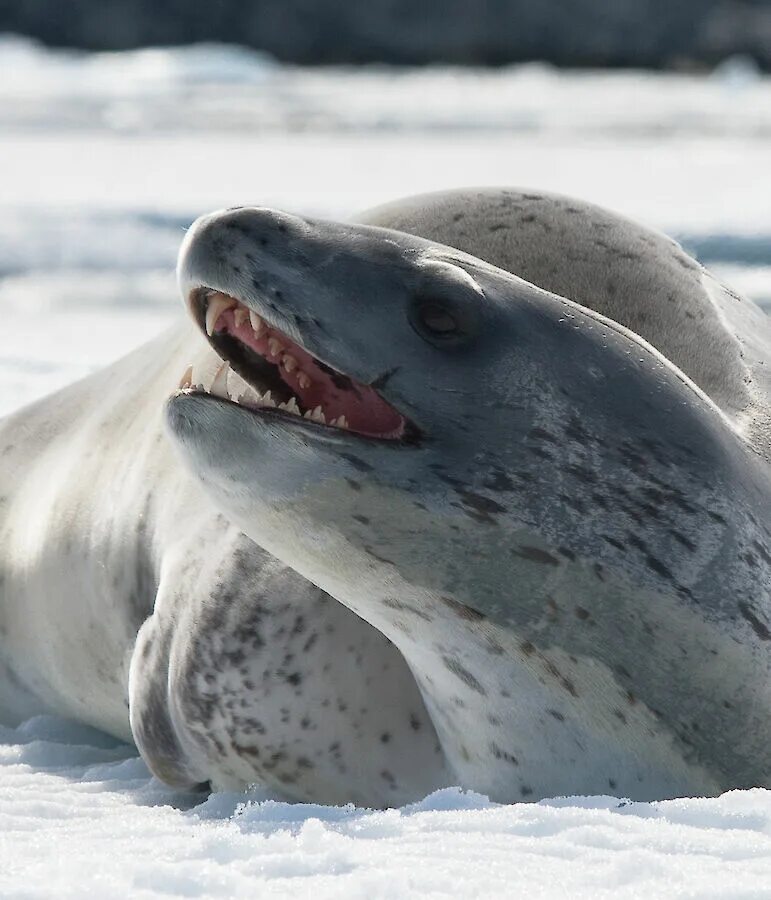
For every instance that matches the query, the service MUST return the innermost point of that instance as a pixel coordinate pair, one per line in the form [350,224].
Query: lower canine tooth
[187,379]
[217,305]
[219,387]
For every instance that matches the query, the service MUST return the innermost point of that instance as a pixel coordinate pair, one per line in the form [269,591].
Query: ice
[106,160]
[216,88]
[79,815]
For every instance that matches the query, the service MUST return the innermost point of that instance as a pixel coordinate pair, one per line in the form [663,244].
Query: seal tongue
[322,394]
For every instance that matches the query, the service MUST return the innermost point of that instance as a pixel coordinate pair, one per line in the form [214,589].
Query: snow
[79,815]
[106,159]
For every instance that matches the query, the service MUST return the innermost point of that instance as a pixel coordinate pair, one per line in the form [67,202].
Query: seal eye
[445,306]
[437,320]
[442,323]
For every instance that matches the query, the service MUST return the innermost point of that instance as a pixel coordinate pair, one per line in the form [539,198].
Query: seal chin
[268,373]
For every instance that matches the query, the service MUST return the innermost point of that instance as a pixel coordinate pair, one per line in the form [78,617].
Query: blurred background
[122,120]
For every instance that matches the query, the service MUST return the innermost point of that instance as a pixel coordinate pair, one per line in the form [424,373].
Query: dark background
[684,34]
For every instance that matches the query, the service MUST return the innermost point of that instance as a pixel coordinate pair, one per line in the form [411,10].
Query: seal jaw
[265,370]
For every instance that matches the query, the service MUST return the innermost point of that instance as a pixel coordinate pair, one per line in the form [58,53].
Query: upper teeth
[256,321]
[218,303]
[229,385]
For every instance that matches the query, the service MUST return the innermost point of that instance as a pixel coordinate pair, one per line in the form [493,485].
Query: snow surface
[80,816]
[106,158]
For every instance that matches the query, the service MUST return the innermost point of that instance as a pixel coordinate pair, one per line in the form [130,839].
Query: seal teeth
[267,400]
[275,346]
[290,363]
[240,316]
[255,321]
[303,380]
[219,387]
[250,397]
[290,406]
[187,379]
[218,303]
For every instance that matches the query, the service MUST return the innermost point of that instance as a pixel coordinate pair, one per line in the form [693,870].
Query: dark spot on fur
[758,627]
[465,676]
[357,463]
[483,506]
[370,552]
[762,552]
[658,567]
[682,539]
[498,753]
[535,554]
[462,611]
[400,606]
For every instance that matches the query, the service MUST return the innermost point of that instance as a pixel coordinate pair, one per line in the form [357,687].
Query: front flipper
[149,710]
[247,673]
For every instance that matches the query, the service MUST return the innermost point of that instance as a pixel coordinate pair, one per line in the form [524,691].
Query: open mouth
[266,371]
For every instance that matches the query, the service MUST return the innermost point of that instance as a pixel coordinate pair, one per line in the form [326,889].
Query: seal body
[563,530]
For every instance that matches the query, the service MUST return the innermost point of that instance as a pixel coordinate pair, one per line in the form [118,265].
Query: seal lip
[283,380]
[412,438]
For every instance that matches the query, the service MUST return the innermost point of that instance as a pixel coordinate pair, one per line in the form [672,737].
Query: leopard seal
[563,530]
